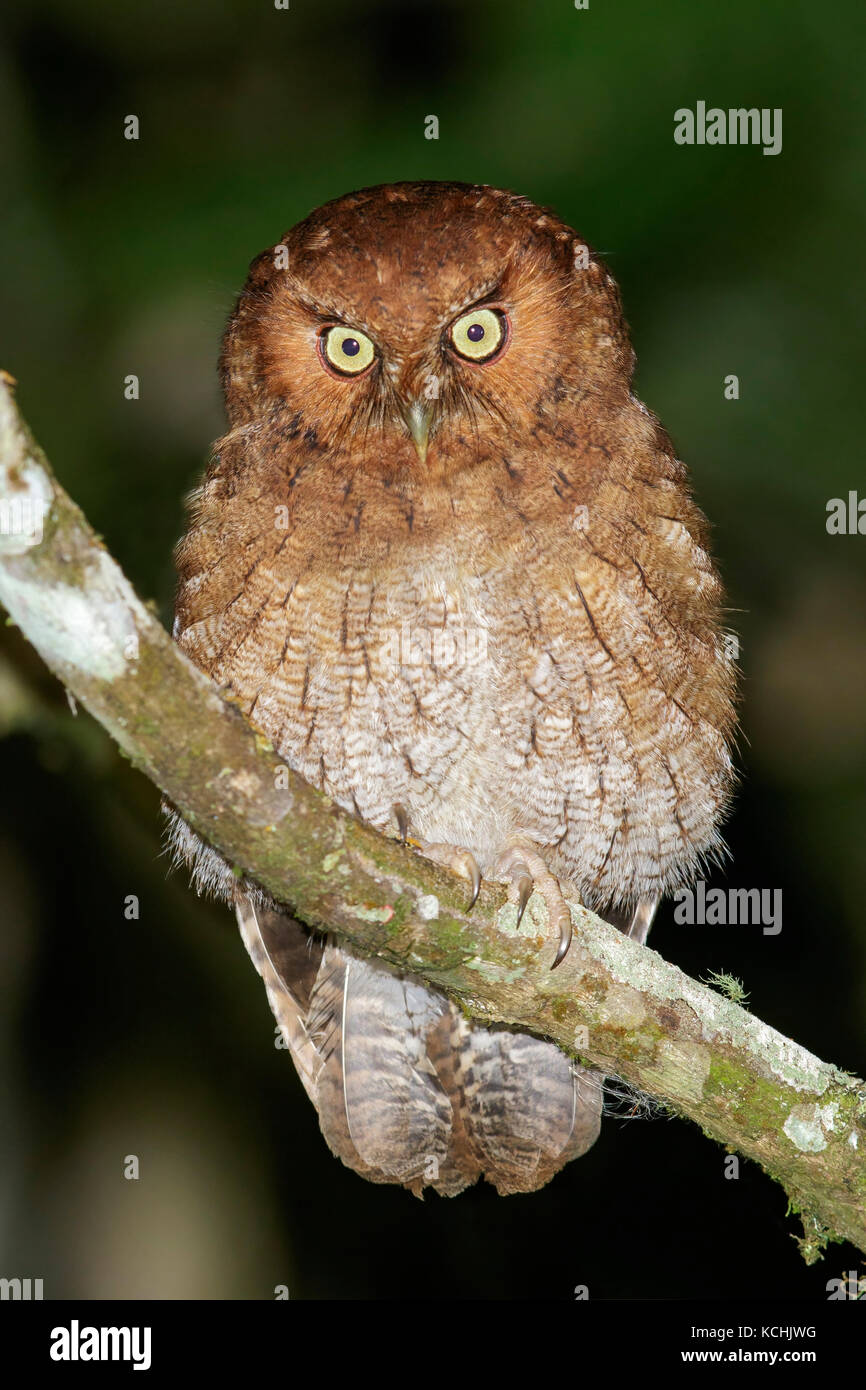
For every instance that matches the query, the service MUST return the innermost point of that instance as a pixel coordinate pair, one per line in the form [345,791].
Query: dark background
[153,1037]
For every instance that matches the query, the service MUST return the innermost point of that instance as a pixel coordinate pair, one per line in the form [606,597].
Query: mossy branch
[616,1005]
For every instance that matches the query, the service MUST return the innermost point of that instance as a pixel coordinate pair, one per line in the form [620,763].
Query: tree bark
[613,1004]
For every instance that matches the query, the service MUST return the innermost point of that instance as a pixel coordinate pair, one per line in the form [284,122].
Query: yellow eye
[479,335]
[346,350]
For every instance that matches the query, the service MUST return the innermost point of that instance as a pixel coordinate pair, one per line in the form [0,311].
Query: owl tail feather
[407,1090]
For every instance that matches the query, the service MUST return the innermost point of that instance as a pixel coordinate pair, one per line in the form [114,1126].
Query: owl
[450,565]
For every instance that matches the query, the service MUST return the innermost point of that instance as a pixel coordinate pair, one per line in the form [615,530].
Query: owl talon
[402,818]
[566,931]
[524,870]
[460,861]
[476,885]
[524,893]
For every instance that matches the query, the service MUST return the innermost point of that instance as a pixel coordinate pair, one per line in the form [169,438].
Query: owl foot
[525,872]
[460,861]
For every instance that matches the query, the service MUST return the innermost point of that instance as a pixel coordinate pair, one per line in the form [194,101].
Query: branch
[617,1006]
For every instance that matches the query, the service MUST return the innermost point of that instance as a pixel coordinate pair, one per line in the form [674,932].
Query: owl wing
[407,1090]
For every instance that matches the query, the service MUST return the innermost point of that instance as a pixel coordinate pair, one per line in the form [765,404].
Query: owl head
[416,326]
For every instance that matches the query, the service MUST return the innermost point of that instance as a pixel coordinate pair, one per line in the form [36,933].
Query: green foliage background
[152,1037]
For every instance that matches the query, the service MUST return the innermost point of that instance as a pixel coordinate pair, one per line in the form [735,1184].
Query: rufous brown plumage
[451,566]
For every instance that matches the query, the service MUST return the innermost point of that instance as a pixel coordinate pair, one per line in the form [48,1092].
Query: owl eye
[481,335]
[346,350]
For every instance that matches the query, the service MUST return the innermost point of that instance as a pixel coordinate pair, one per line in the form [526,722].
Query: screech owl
[450,565]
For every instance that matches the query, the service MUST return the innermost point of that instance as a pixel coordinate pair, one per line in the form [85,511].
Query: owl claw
[476,884]
[524,893]
[460,861]
[566,931]
[402,818]
[524,870]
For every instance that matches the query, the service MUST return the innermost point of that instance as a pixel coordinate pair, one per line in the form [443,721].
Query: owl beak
[418,416]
